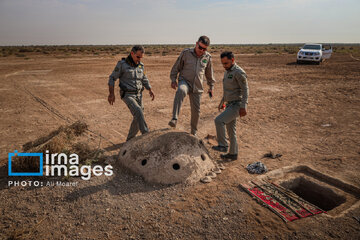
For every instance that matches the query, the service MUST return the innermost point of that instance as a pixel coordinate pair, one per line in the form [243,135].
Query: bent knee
[182,90]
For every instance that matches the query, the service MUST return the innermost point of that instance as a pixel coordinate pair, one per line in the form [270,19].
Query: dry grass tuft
[62,140]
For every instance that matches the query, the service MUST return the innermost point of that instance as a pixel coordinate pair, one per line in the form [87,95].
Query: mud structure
[166,157]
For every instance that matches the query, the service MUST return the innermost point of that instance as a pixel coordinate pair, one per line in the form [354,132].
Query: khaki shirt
[131,78]
[192,70]
[235,86]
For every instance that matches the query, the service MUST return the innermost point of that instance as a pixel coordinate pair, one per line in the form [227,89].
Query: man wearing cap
[235,95]
[132,81]
[190,68]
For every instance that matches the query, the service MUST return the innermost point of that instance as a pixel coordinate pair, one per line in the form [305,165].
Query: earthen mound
[167,157]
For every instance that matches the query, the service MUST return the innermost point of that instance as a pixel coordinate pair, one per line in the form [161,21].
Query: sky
[102,22]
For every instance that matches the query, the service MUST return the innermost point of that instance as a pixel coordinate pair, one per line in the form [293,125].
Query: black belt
[136,92]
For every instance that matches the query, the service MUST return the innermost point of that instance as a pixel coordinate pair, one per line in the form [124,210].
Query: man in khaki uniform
[190,68]
[132,81]
[235,95]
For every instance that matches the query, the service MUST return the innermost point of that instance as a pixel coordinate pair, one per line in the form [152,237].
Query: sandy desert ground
[308,113]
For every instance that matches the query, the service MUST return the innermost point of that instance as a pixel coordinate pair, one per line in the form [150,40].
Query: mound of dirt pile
[166,157]
[62,140]
[56,140]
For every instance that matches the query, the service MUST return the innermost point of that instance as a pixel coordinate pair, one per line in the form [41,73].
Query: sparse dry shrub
[60,140]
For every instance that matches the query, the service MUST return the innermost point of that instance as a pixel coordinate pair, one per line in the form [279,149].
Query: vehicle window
[312,47]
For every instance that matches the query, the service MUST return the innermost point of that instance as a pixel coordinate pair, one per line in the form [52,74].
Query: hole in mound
[319,195]
[176,166]
[124,152]
[203,157]
[143,162]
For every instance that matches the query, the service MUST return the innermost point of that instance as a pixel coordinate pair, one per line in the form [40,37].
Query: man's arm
[145,81]
[146,84]
[209,74]
[112,79]
[243,83]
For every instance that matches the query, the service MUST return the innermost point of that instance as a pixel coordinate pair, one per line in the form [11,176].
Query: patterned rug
[283,202]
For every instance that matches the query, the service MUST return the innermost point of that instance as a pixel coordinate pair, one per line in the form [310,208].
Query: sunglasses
[201,48]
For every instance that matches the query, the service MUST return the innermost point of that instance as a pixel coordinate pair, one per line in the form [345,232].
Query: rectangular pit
[330,194]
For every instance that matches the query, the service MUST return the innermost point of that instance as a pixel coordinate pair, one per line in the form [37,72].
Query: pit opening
[124,152]
[144,162]
[203,157]
[321,196]
[176,166]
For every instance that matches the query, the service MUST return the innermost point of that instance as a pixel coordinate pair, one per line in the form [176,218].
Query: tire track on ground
[47,106]
[61,116]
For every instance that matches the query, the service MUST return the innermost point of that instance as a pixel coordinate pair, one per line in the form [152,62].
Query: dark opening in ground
[321,196]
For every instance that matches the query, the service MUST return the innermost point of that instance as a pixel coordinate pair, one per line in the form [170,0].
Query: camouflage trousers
[182,91]
[135,105]
[228,118]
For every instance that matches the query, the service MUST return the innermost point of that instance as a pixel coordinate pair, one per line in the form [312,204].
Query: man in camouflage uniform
[191,66]
[132,81]
[235,95]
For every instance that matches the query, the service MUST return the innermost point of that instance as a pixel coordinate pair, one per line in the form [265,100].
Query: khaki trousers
[135,105]
[228,117]
[182,91]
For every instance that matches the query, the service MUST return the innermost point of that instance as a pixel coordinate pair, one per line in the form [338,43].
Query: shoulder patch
[230,76]
[204,61]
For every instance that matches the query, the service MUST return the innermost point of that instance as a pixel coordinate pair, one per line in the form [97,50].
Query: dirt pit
[319,195]
[330,194]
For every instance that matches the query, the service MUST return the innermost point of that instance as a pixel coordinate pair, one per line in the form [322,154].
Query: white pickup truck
[314,53]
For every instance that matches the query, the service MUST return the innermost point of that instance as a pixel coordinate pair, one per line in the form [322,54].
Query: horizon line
[150,44]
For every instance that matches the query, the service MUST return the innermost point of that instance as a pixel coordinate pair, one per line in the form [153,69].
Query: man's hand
[174,85]
[210,92]
[221,105]
[242,112]
[111,98]
[152,95]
